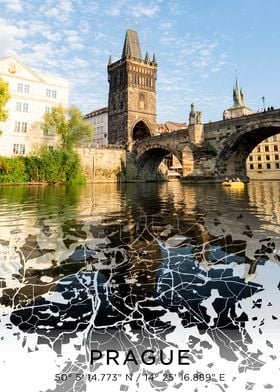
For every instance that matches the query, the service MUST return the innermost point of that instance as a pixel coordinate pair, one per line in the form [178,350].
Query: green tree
[69,125]
[4,97]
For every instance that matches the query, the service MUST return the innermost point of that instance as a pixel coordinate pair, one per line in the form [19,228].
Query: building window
[22,149]
[251,166]
[20,127]
[48,93]
[16,149]
[276,157]
[277,165]
[54,94]
[267,157]
[50,148]
[274,138]
[258,149]
[26,88]
[250,158]
[275,147]
[17,126]
[24,127]
[259,157]
[259,166]
[268,166]
[50,131]
[22,107]
[47,109]
[20,87]
[266,148]
[142,102]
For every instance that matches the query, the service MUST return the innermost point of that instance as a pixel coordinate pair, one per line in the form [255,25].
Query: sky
[200,47]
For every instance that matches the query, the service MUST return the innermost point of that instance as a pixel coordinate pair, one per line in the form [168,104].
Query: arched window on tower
[142,101]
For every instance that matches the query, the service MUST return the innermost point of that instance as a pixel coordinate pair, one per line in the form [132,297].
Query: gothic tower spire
[131,47]
[238,97]
[238,108]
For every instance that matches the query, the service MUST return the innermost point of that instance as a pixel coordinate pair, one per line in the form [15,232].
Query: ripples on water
[151,264]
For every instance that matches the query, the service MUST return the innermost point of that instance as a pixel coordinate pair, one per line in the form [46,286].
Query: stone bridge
[209,151]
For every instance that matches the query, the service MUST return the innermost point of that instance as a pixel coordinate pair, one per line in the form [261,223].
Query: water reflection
[134,265]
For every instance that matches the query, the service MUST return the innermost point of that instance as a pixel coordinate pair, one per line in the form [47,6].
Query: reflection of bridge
[210,151]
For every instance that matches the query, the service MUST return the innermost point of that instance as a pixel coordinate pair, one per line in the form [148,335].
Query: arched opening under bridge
[158,163]
[231,162]
[140,131]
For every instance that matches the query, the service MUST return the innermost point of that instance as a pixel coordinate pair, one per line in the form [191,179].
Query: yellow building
[263,163]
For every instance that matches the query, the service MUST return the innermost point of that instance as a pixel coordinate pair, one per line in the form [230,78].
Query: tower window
[142,101]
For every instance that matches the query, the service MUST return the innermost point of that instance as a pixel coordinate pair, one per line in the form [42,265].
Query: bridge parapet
[242,121]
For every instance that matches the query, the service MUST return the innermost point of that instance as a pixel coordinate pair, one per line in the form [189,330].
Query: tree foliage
[69,125]
[58,166]
[4,97]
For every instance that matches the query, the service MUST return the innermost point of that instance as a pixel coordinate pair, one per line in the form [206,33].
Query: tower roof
[131,45]
[238,97]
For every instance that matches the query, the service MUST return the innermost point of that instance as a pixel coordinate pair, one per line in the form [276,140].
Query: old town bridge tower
[132,94]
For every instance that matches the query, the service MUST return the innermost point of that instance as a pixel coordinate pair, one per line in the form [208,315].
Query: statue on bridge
[196,133]
[194,117]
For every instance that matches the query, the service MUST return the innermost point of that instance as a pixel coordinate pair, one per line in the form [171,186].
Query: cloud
[136,10]
[59,10]
[13,5]
[140,9]
[11,38]
[116,8]
[74,40]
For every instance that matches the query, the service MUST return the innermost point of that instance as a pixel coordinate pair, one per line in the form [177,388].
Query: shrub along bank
[60,165]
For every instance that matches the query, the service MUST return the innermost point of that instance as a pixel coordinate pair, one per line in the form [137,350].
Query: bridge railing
[242,120]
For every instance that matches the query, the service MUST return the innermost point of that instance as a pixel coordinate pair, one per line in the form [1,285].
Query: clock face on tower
[12,68]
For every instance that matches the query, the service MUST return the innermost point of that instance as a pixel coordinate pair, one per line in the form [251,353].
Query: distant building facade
[132,94]
[99,120]
[32,95]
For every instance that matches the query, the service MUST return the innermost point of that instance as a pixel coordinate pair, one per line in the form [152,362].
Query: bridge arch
[231,162]
[141,130]
[149,159]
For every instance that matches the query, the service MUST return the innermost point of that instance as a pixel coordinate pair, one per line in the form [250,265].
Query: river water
[132,267]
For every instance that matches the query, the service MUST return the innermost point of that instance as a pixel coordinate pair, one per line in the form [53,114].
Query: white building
[32,95]
[99,120]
